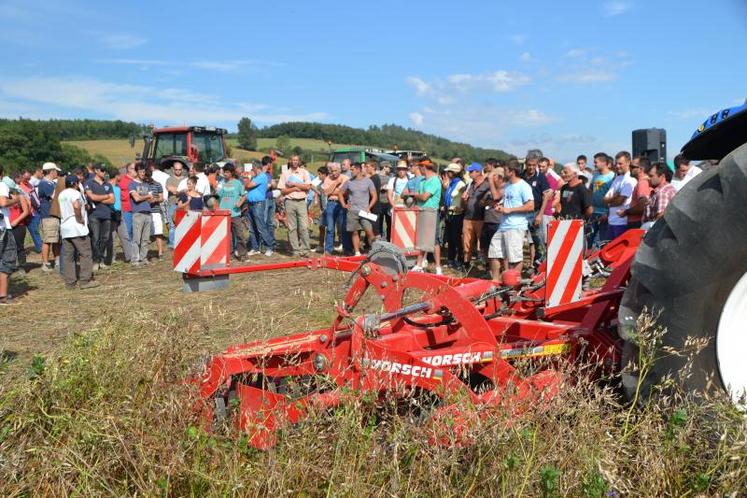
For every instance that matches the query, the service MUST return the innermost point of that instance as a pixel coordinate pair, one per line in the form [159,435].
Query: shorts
[507,245]
[8,252]
[354,222]
[50,230]
[427,230]
[157,225]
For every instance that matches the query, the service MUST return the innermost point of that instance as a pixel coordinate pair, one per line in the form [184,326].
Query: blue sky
[567,77]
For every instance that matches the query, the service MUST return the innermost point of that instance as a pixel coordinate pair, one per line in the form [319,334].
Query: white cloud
[122,41]
[422,89]
[417,119]
[92,97]
[525,57]
[446,91]
[584,66]
[615,8]
[224,66]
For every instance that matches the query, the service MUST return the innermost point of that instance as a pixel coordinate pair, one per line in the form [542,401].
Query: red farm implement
[459,341]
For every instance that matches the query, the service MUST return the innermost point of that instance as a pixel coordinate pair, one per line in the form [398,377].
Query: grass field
[93,403]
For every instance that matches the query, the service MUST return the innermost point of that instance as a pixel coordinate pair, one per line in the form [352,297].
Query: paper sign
[367,215]
[316,182]
[248,168]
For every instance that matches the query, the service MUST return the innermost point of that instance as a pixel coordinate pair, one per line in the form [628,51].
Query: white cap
[50,166]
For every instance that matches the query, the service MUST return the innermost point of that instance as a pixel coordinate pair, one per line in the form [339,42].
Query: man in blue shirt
[50,225]
[256,185]
[541,194]
[507,245]
[101,195]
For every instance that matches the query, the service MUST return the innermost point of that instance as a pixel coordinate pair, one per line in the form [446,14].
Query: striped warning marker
[187,243]
[216,243]
[564,262]
[404,224]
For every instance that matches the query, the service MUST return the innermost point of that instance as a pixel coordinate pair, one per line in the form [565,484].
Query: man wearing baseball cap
[50,224]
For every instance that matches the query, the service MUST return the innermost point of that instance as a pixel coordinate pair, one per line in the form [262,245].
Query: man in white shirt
[619,195]
[74,233]
[203,184]
[8,252]
[683,172]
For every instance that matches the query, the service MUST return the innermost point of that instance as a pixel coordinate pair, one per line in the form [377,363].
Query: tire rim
[731,343]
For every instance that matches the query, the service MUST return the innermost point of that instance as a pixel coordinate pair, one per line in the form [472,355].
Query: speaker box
[651,143]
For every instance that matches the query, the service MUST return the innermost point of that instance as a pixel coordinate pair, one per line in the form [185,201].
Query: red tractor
[187,144]
[468,340]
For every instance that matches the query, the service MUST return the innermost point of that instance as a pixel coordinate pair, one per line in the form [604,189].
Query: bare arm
[25,211]
[374,198]
[78,212]
[9,201]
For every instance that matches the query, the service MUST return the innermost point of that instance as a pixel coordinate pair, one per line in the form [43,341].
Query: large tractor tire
[691,272]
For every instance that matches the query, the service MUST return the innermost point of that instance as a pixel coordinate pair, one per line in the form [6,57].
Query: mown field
[93,403]
[119,151]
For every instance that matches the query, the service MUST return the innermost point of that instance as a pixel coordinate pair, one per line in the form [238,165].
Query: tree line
[386,137]
[27,144]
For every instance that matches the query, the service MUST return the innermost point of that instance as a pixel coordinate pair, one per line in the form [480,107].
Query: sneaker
[89,285]
[252,253]
[438,271]
[416,269]
[104,266]
[338,248]
[268,252]
[136,263]
[20,272]
[236,254]
[96,266]
[46,267]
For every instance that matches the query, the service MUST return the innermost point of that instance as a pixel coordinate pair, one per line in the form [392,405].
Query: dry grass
[106,412]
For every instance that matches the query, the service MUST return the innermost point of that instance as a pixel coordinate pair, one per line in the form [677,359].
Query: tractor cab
[188,144]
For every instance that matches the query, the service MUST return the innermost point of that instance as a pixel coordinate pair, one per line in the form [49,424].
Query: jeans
[81,247]
[270,222]
[127,218]
[258,226]
[334,218]
[141,226]
[599,231]
[34,231]
[616,230]
[297,218]
[170,211]
[100,231]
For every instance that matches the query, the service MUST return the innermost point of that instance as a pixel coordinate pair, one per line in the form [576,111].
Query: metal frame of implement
[459,342]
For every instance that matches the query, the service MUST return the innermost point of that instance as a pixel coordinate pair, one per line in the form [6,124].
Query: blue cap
[71,180]
[474,167]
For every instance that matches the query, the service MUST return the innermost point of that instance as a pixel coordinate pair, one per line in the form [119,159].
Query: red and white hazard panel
[565,249]
[202,241]
[404,227]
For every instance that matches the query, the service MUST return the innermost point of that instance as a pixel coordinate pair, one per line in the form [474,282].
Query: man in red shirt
[124,184]
[639,170]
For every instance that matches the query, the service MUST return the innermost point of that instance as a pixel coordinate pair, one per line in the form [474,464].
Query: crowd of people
[496,211]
